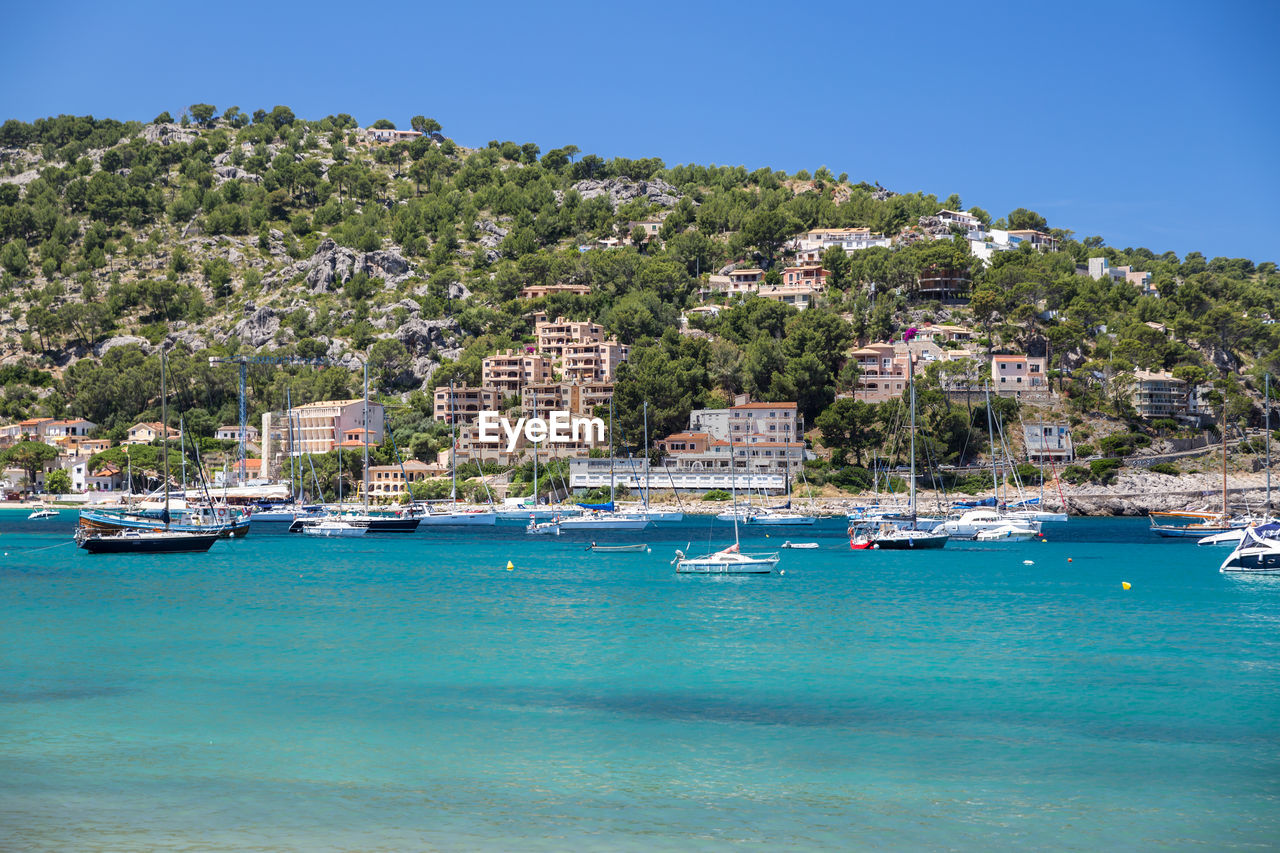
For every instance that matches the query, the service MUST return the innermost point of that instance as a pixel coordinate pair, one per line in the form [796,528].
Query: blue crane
[244,361]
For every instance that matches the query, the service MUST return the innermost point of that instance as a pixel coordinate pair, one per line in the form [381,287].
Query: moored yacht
[977,521]
[1257,553]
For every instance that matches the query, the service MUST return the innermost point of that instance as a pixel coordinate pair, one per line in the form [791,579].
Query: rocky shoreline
[1136,492]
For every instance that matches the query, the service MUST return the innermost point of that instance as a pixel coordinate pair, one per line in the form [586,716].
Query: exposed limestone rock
[1224,360]
[228,173]
[334,265]
[21,179]
[933,226]
[622,190]
[188,338]
[121,341]
[168,134]
[384,264]
[258,328]
[491,235]
[421,336]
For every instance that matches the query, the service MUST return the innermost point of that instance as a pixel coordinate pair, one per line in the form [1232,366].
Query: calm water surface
[396,693]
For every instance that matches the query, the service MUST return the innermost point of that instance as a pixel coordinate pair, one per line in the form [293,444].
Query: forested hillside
[225,233]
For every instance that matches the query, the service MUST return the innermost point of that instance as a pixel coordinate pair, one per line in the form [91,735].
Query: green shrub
[1103,471]
[1083,450]
[850,479]
[1075,474]
[716,495]
[971,484]
[1165,468]
[1029,474]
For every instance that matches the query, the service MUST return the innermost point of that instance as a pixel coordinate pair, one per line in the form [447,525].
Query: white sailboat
[980,520]
[907,534]
[1236,535]
[610,518]
[731,560]
[654,515]
[782,517]
[456,517]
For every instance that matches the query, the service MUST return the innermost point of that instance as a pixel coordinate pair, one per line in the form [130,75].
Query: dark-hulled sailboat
[164,541]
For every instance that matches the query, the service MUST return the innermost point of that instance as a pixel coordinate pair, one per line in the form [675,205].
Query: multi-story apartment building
[319,428]
[509,371]
[554,336]
[593,361]
[1159,395]
[882,372]
[750,423]
[578,398]
[463,403]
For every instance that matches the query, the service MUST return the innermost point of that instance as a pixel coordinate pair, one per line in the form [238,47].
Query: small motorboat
[804,545]
[43,513]
[543,528]
[638,548]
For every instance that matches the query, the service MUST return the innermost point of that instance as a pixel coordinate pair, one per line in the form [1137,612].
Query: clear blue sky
[1153,124]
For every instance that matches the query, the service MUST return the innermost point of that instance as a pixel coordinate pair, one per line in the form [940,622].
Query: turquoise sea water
[408,693]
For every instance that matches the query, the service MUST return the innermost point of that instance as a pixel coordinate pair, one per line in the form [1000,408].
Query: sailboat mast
[646,455]
[164,437]
[182,451]
[535,454]
[611,452]
[453,445]
[1224,461]
[293,473]
[1267,394]
[365,479]
[733,484]
[991,436]
[911,384]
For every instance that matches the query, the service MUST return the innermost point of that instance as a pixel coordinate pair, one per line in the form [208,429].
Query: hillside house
[742,282]
[145,433]
[232,433]
[1048,442]
[1019,373]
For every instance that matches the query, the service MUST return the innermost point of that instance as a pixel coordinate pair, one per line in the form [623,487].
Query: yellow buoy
[510,565]
[1125,584]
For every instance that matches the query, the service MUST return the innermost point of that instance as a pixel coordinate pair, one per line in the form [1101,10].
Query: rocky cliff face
[622,190]
[332,266]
